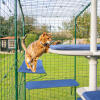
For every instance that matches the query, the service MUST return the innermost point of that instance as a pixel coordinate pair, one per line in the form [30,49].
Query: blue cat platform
[51,84]
[39,68]
[92,95]
[46,83]
[81,47]
[79,98]
[74,50]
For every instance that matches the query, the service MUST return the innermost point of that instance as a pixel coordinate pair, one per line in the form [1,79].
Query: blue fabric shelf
[79,98]
[92,95]
[51,84]
[73,47]
[39,68]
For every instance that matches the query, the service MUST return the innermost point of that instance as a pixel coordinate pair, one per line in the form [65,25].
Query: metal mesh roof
[49,12]
[53,8]
[53,12]
[47,8]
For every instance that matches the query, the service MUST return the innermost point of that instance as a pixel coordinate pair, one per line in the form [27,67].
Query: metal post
[76,33]
[75,43]
[75,62]
[93,47]
[23,22]
[16,73]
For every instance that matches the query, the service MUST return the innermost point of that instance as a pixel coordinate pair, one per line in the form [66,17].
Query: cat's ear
[44,33]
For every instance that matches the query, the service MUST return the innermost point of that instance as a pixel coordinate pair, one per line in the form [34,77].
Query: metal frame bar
[75,40]
[16,67]
[93,47]
[23,22]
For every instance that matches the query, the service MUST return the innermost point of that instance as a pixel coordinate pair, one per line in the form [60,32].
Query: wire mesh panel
[83,37]
[57,67]
[57,17]
[7,50]
[68,21]
[7,75]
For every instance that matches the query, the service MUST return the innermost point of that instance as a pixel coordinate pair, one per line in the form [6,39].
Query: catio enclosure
[69,21]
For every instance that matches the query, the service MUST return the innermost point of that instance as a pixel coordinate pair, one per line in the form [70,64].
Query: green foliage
[29,20]
[83,26]
[68,29]
[62,35]
[7,26]
[98,26]
[29,29]
[11,25]
[30,38]
[3,26]
[35,29]
[44,28]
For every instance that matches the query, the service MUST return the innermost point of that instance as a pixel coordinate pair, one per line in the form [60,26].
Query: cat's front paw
[33,70]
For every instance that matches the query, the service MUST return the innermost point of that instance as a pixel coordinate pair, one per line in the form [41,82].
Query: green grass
[6,76]
[56,67]
[60,67]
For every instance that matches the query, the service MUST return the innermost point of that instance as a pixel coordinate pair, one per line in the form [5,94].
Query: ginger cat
[36,49]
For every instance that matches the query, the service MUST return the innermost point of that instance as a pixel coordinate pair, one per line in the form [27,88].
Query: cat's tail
[23,43]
